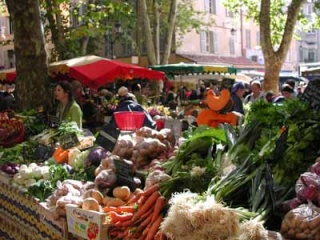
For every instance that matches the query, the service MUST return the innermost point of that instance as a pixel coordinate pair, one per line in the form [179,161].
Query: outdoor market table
[21,216]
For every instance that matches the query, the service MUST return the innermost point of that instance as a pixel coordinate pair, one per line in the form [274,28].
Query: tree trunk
[271,76]
[171,27]
[275,59]
[156,30]
[32,84]
[54,17]
[148,34]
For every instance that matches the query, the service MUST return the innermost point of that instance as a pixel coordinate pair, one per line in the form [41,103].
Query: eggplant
[95,156]
[10,168]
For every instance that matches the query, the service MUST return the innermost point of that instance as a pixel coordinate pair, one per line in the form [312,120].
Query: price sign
[311,94]
[108,137]
[53,121]
[124,174]
[43,152]
[123,169]
[69,140]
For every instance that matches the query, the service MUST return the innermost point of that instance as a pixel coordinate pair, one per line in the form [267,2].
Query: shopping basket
[129,121]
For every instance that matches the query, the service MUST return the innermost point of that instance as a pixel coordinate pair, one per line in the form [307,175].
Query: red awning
[104,71]
[8,75]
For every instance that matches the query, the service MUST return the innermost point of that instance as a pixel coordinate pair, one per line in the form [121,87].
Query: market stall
[92,71]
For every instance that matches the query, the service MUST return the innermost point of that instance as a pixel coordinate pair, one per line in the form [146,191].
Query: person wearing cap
[287,92]
[127,102]
[256,92]
[237,92]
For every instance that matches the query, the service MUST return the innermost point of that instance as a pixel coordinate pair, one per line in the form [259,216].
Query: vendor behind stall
[128,102]
[68,109]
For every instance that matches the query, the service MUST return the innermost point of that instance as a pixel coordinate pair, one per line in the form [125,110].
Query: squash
[217,103]
[61,155]
[213,119]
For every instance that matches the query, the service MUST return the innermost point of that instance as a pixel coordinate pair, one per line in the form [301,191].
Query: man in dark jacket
[127,103]
[237,92]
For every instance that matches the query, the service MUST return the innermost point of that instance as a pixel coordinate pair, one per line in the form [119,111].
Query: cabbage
[77,160]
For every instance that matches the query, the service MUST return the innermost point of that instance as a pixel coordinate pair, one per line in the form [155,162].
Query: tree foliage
[176,19]
[278,20]
[80,28]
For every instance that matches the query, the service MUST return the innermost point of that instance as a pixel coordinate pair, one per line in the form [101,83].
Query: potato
[115,202]
[137,190]
[90,204]
[122,192]
[95,194]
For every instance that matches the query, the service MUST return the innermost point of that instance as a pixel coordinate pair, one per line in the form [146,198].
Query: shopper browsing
[68,109]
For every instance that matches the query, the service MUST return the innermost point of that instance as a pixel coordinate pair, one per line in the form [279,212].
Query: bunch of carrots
[140,218]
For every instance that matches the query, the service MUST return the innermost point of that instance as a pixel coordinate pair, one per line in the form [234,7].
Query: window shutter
[231,46]
[206,5]
[213,7]
[215,42]
[203,41]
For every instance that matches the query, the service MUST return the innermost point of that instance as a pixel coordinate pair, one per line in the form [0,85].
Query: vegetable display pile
[11,132]
[192,216]
[194,164]
[140,218]
[302,223]
[276,140]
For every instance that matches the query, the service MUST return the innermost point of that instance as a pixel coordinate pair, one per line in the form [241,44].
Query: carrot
[148,213]
[116,217]
[142,200]
[160,204]
[133,200]
[114,232]
[146,230]
[121,235]
[154,228]
[126,223]
[120,209]
[150,190]
[146,221]
[147,205]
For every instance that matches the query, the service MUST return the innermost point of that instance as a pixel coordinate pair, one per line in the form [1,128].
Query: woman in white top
[256,92]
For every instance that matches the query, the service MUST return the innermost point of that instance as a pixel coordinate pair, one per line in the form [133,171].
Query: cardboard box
[55,226]
[87,224]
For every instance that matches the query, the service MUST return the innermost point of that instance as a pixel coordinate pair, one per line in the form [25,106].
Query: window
[258,38]
[254,58]
[208,42]
[232,46]
[309,9]
[210,6]
[311,56]
[248,38]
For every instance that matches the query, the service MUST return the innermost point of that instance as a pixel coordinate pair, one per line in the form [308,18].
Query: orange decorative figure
[215,113]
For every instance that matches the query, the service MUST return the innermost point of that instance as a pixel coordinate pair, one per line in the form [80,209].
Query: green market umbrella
[172,70]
